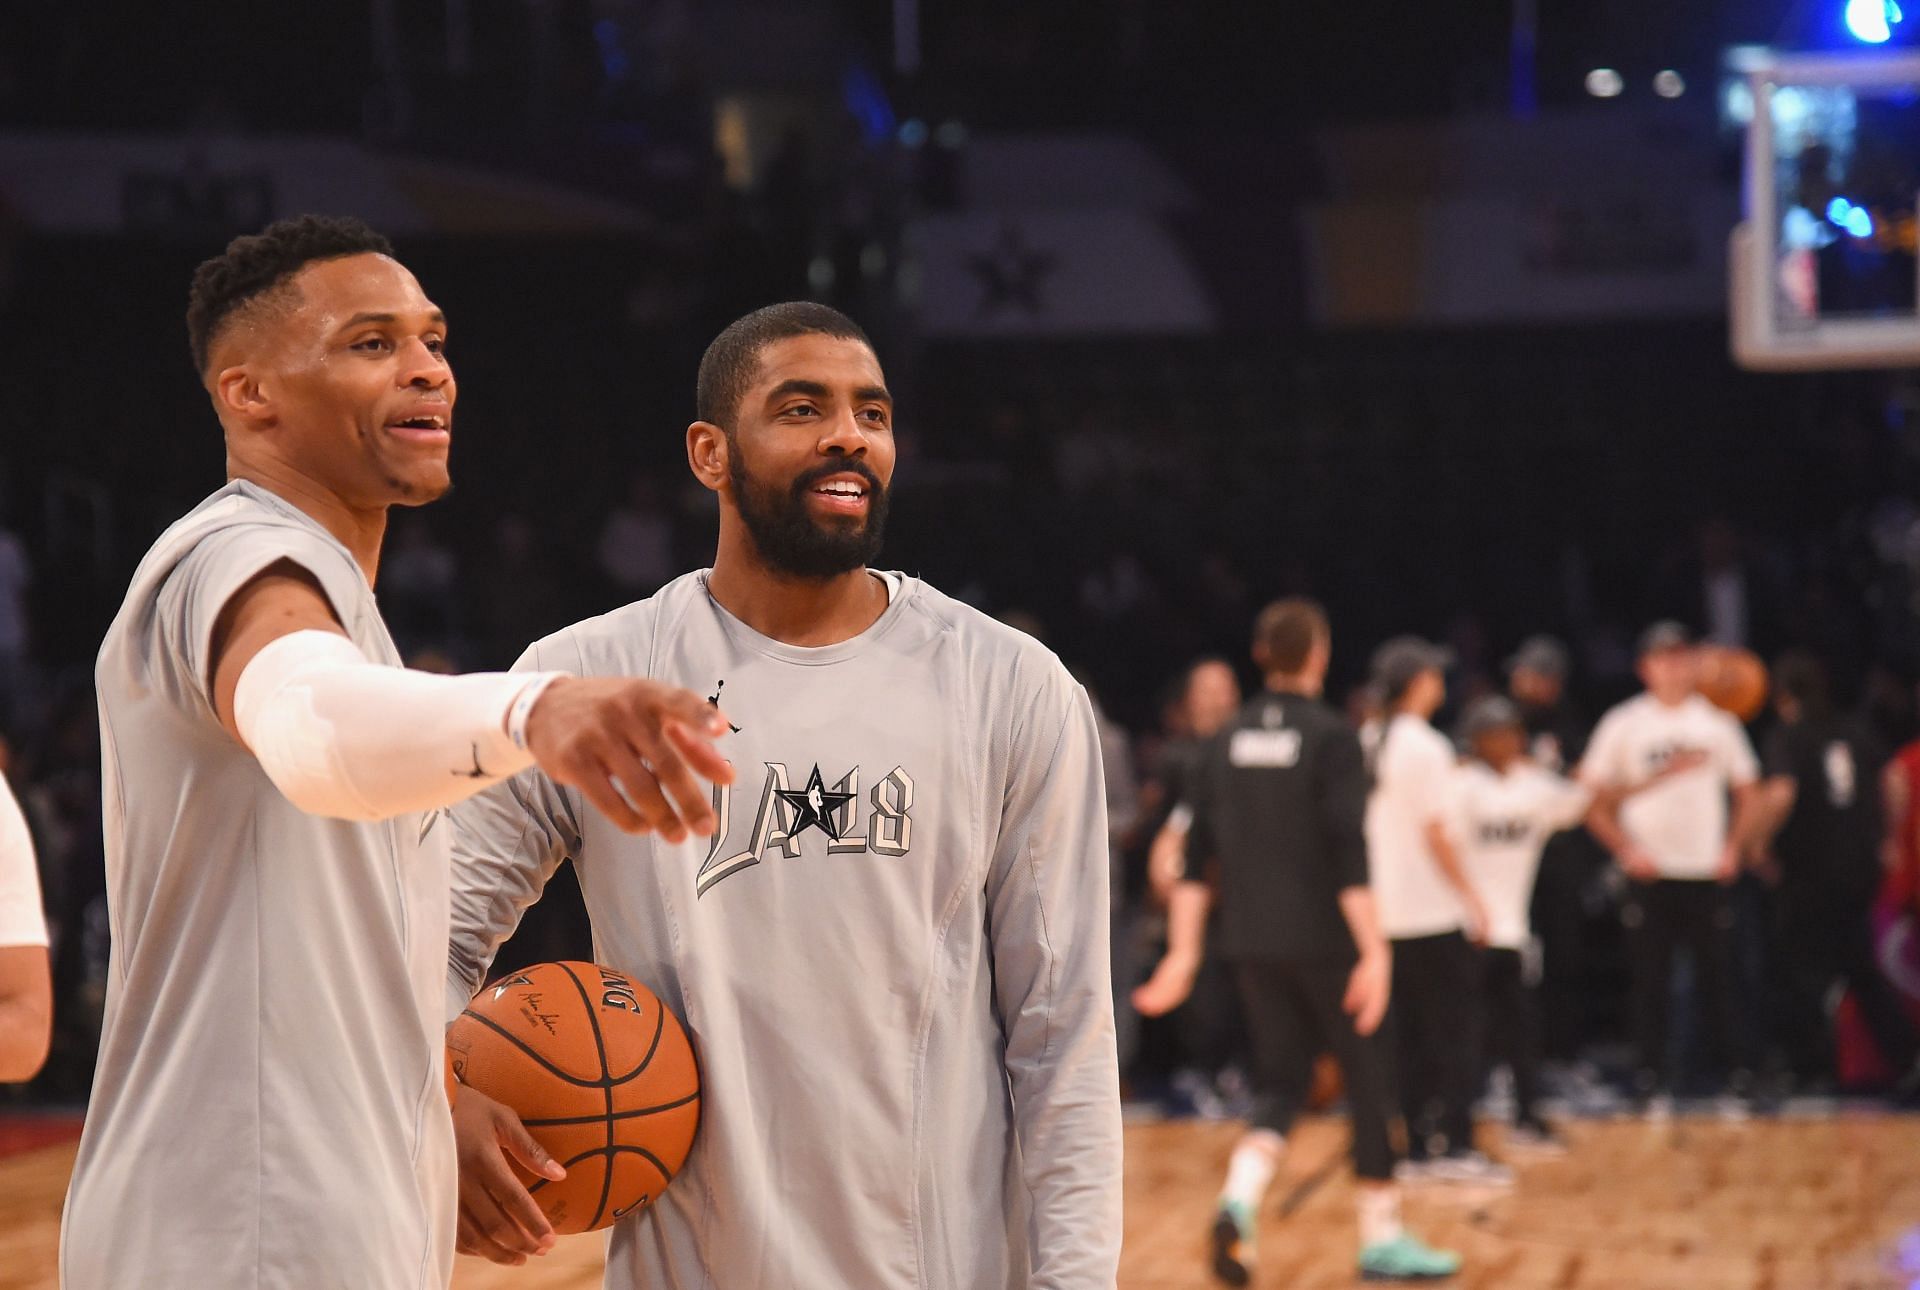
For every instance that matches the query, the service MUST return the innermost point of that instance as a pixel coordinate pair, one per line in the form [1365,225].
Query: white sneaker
[1536,1140]
[1472,1169]
[1414,1172]
[1732,1108]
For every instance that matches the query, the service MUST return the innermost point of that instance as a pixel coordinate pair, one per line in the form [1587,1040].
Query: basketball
[1733,679]
[601,1074]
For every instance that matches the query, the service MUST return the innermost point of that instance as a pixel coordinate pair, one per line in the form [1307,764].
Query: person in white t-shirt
[1679,845]
[1433,916]
[26,984]
[1506,808]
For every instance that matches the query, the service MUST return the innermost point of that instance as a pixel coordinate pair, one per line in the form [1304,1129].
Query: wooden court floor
[1693,1204]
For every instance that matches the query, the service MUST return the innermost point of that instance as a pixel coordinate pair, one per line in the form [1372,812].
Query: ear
[237,393]
[708,455]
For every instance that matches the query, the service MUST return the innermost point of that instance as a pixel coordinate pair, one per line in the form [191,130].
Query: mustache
[851,466]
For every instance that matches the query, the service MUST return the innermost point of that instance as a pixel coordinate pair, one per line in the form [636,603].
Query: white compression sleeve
[342,736]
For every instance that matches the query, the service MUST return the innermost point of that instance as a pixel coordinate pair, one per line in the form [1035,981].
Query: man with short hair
[1678,846]
[269,1109]
[1277,823]
[893,956]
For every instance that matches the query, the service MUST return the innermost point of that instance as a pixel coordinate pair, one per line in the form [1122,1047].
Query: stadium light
[1872,21]
[1604,83]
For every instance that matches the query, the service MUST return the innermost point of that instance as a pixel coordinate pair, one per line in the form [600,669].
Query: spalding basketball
[1733,679]
[601,1074]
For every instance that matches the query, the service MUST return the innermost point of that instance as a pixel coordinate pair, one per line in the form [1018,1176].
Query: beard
[791,540]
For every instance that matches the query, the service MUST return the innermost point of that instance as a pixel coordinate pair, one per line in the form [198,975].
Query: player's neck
[808,612]
[358,530]
[1293,683]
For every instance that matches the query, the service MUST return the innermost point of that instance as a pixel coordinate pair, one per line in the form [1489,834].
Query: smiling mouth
[426,421]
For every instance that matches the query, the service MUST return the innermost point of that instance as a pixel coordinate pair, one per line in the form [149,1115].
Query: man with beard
[893,955]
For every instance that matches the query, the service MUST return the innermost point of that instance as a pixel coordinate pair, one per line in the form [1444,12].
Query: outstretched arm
[344,736]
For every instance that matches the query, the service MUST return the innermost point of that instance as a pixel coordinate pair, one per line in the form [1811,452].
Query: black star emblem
[814,806]
[1010,273]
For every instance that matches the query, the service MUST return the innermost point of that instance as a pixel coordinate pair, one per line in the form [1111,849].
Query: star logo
[814,806]
[1010,274]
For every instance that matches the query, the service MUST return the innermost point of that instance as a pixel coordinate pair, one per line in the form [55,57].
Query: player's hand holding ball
[499,1220]
[636,748]
[579,1099]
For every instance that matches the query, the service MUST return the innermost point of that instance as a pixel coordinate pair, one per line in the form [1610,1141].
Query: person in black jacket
[1820,808]
[1276,809]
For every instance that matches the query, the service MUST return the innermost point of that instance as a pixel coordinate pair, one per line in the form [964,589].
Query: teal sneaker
[1232,1239]
[1406,1258]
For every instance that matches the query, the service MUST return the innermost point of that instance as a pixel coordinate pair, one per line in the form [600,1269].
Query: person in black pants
[1679,847]
[1820,808]
[1577,939]
[1433,913]
[1277,806]
[1506,809]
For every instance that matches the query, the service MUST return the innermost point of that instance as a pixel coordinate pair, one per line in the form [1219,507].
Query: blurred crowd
[1800,979]
[1121,622]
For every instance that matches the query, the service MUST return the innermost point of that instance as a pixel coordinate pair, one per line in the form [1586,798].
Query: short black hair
[259,263]
[730,363]
[1285,632]
[1801,676]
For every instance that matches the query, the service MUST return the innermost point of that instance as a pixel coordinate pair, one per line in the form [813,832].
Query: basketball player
[1820,830]
[268,1109]
[892,957]
[1432,912]
[1277,804]
[26,981]
[1678,847]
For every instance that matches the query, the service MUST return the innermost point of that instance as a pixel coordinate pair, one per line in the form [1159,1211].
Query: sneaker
[1472,1169]
[1536,1138]
[1406,1258]
[1413,1172]
[1197,1088]
[1232,1241]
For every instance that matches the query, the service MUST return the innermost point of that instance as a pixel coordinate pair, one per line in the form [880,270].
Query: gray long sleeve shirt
[892,958]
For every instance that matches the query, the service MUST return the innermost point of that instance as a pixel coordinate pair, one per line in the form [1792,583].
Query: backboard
[1823,271]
